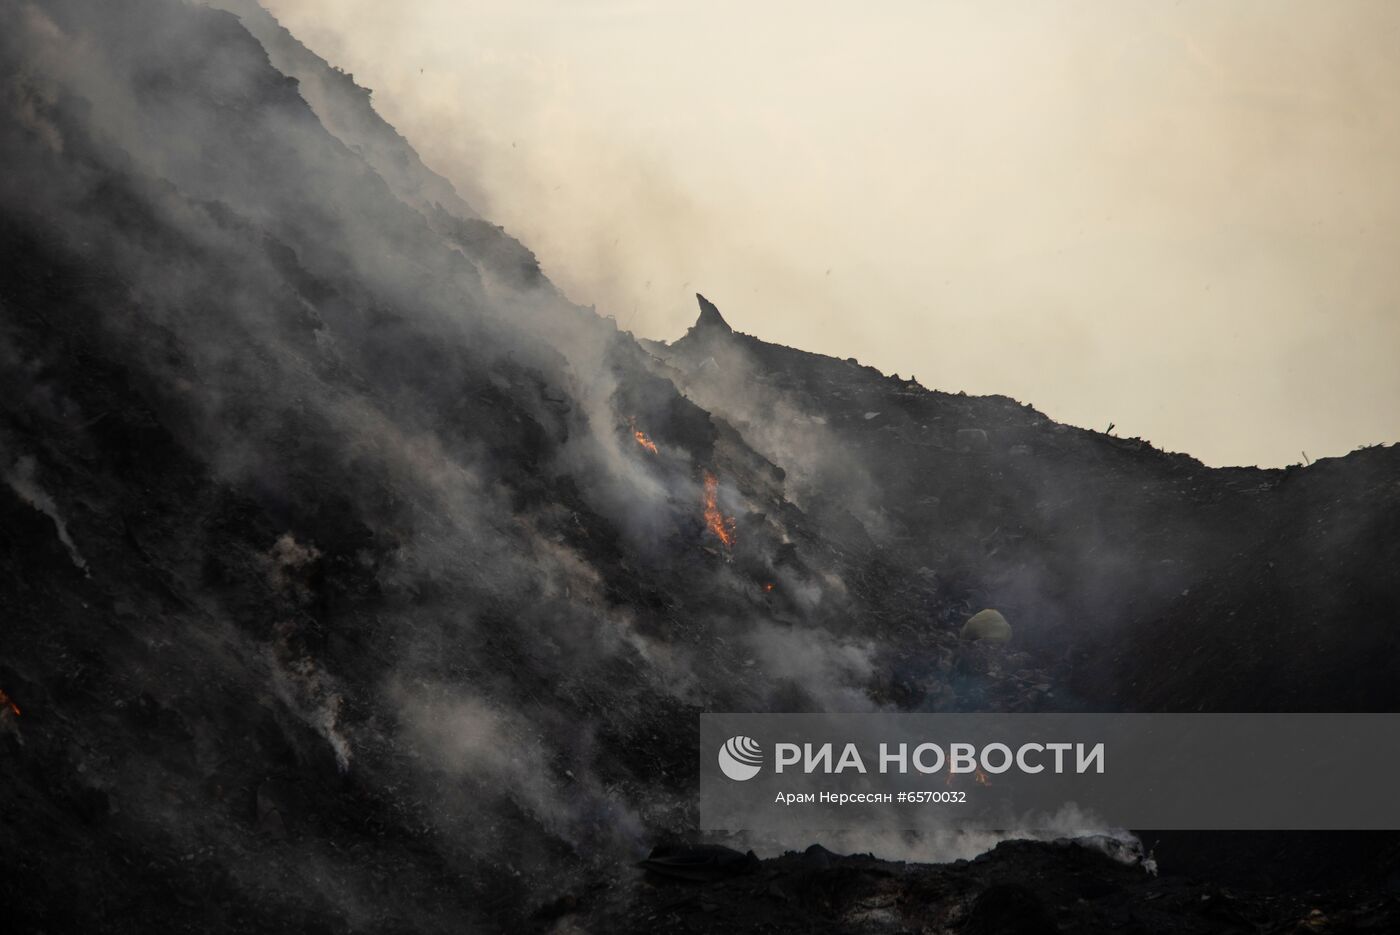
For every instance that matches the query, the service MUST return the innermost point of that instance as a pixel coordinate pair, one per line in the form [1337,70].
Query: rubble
[1019,887]
[347,473]
[699,862]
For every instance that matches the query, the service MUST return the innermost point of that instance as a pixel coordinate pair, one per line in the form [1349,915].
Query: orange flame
[722,526]
[7,702]
[980,777]
[641,437]
[768,586]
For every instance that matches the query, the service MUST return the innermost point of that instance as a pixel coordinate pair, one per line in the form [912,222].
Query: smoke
[287,559]
[723,377]
[1079,210]
[484,752]
[1066,827]
[22,480]
[376,481]
[434,441]
[832,673]
[309,692]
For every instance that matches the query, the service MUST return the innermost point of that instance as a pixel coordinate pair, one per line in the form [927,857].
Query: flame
[640,436]
[722,526]
[768,586]
[7,702]
[980,777]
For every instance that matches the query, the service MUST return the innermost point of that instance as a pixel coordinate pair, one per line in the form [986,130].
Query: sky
[1182,218]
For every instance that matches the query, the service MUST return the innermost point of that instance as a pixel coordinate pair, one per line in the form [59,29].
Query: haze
[1182,219]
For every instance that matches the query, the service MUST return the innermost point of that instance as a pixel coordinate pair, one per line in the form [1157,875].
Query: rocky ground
[353,579]
[1018,887]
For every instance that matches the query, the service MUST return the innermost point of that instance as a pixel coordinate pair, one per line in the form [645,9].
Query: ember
[7,702]
[641,437]
[721,525]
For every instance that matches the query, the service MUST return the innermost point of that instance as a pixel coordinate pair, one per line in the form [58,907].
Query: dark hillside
[352,578]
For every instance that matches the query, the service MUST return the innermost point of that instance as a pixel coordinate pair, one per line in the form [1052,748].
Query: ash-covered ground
[354,579]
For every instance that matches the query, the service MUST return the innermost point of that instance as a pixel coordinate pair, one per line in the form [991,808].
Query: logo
[740,758]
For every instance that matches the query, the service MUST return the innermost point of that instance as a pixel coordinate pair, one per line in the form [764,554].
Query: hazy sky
[1180,217]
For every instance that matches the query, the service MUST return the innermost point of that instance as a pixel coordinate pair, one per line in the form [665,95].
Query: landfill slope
[355,579]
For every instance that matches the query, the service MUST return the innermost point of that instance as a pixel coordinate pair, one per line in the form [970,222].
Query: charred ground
[339,591]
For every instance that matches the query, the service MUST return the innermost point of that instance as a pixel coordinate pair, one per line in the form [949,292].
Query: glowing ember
[721,525]
[7,702]
[768,586]
[981,778]
[641,436]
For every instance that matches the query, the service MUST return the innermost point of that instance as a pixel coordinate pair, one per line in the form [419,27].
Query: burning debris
[979,776]
[641,437]
[722,526]
[427,501]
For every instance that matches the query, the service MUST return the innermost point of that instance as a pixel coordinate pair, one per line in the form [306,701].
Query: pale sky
[1183,218]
